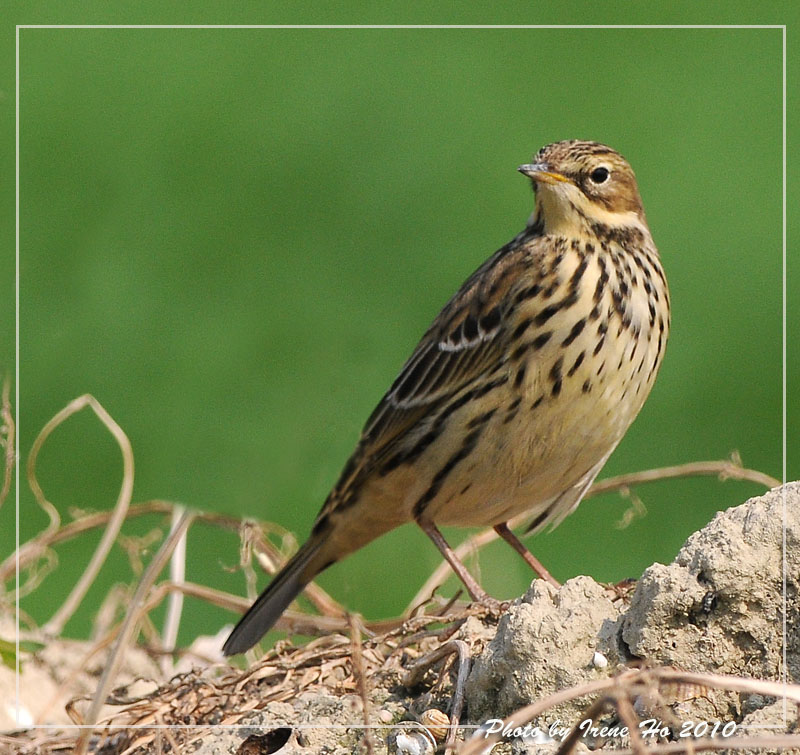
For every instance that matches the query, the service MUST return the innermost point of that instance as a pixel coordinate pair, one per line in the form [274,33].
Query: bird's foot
[490,606]
[620,590]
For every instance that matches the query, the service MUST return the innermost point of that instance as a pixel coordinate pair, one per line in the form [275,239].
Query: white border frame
[19,27]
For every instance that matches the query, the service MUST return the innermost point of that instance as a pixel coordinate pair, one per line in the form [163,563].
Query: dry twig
[128,628]
[633,683]
[727,469]
[177,574]
[361,678]
[7,439]
[418,669]
[62,615]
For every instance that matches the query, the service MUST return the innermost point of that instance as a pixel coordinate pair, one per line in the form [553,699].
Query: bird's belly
[552,446]
[525,470]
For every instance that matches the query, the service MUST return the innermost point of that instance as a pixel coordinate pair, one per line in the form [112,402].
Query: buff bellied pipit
[520,389]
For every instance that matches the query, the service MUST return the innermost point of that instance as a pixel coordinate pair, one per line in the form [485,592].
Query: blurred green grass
[233,239]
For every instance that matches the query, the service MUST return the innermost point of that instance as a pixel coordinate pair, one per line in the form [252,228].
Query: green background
[234,238]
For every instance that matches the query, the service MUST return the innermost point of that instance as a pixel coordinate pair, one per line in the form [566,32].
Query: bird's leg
[507,535]
[477,593]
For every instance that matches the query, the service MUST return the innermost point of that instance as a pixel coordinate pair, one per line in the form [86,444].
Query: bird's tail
[284,588]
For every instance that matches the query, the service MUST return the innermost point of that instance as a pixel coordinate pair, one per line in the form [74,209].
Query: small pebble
[385,716]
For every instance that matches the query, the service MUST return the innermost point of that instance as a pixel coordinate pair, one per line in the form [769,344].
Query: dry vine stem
[728,469]
[779,743]
[8,439]
[128,628]
[177,574]
[418,669]
[63,614]
[332,618]
[632,683]
[360,673]
[29,551]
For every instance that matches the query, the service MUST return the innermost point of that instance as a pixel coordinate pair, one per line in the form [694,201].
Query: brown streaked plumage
[520,389]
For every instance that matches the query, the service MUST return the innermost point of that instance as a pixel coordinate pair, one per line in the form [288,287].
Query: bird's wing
[466,344]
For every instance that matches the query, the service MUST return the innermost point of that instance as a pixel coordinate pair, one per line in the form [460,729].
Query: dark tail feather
[269,606]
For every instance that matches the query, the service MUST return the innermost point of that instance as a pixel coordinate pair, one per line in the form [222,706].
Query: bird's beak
[542,173]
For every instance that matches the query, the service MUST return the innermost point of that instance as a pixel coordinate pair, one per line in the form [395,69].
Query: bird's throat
[563,210]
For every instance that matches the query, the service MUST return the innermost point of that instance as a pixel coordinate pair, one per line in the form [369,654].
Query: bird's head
[579,184]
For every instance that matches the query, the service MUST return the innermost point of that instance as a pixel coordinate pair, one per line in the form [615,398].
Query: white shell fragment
[414,743]
[599,660]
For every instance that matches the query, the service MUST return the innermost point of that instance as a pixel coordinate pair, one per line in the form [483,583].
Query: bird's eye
[599,175]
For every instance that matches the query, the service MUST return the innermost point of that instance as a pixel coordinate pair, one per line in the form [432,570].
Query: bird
[519,390]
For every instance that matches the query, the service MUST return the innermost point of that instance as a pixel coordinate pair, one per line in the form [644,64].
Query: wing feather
[466,342]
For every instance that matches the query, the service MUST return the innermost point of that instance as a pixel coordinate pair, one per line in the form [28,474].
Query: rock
[718,608]
[314,721]
[547,641]
[760,722]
